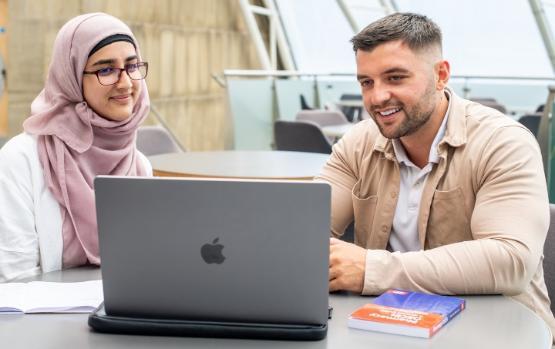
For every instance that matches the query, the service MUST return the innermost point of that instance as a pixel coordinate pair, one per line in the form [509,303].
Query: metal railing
[465,80]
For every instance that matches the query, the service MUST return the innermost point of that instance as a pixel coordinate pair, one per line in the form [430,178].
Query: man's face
[400,87]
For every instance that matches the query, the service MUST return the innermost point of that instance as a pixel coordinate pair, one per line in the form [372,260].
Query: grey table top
[240,164]
[487,322]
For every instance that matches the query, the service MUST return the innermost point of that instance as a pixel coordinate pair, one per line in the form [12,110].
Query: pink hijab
[74,143]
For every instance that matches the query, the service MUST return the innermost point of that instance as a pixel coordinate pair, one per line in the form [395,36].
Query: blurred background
[222,72]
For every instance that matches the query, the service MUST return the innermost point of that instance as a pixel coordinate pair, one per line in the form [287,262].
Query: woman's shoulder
[146,163]
[20,151]
[23,143]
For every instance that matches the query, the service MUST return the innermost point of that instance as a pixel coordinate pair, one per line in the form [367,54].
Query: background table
[488,322]
[240,164]
[336,131]
[357,105]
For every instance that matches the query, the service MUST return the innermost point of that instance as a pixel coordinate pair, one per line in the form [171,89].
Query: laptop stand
[102,322]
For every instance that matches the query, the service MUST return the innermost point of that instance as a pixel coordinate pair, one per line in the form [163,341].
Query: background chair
[300,136]
[490,102]
[154,140]
[322,117]
[549,258]
[532,122]
[304,103]
[351,113]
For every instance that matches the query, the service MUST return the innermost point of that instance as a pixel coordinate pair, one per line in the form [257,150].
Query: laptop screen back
[216,250]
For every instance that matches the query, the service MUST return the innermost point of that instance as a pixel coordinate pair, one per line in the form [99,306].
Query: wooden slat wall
[184,41]
[4,55]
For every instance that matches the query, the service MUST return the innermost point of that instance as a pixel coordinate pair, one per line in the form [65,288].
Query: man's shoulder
[480,113]
[491,136]
[363,133]
[359,145]
[483,123]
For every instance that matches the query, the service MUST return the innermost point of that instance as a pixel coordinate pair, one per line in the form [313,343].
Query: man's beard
[414,119]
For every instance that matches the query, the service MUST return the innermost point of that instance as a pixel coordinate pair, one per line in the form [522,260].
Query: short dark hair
[417,31]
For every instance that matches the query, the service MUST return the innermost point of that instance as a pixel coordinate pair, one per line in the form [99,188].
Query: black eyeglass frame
[126,68]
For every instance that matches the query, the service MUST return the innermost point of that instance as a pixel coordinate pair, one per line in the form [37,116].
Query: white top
[30,218]
[337,130]
[404,230]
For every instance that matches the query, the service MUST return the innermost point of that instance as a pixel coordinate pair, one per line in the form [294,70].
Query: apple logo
[212,253]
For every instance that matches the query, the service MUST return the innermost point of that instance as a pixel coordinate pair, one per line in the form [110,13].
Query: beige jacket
[483,217]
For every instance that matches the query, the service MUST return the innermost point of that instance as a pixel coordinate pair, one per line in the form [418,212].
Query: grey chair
[300,136]
[532,122]
[304,103]
[322,117]
[549,258]
[351,113]
[154,140]
[490,102]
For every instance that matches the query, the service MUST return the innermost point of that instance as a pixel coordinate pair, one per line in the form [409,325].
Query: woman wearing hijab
[82,124]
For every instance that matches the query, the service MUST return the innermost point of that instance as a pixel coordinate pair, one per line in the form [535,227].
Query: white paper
[50,297]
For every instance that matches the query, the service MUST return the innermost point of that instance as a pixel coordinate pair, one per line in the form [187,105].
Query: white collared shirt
[404,231]
[31,239]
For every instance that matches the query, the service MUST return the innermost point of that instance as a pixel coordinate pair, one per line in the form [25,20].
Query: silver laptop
[214,250]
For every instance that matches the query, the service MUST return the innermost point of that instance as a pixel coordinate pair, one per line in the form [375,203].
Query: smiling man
[447,196]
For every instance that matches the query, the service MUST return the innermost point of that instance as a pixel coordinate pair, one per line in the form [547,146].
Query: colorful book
[407,313]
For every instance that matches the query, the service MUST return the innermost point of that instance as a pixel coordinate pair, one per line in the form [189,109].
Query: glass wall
[487,37]
[318,34]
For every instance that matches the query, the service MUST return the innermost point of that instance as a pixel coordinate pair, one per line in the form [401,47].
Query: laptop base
[102,322]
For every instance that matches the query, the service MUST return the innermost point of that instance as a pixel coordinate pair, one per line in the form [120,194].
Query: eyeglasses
[110,75]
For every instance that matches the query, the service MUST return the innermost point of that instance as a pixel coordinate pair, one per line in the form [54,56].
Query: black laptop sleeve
[102,322]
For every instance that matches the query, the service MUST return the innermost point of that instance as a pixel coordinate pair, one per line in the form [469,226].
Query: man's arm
[509,224]
[347,261]
[342,174]
[347,264]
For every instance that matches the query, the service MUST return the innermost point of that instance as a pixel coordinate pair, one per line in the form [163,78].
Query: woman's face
[113,102]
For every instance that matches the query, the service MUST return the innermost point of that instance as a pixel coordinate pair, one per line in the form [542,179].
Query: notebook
[207,250]
[50,297]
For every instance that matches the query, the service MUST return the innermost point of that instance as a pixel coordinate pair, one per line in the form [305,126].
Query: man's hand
[347,264]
